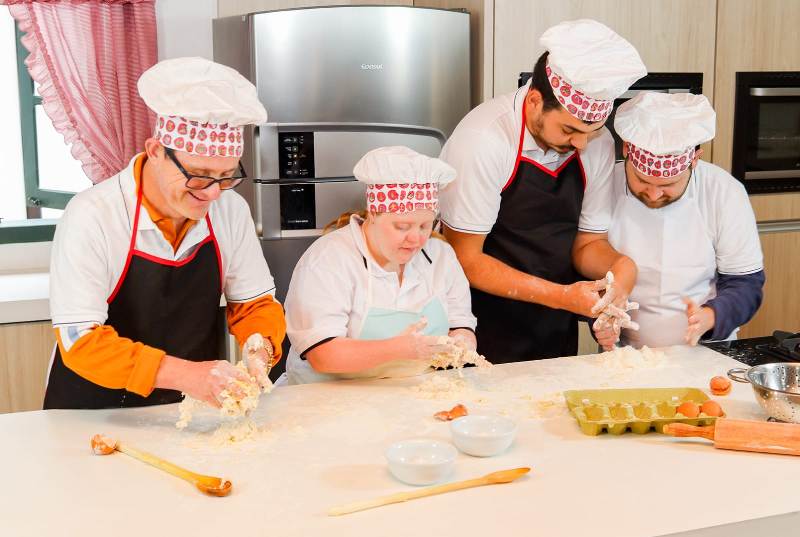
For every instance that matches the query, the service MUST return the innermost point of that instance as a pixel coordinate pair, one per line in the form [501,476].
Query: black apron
[534,233]
[170,305]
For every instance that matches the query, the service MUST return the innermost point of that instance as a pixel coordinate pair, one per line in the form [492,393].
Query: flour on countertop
[441,387]
[237,402]
[547,405]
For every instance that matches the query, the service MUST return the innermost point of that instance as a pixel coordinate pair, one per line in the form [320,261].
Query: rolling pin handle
[685,430]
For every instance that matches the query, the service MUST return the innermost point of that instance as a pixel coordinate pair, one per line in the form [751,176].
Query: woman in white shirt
[375,297]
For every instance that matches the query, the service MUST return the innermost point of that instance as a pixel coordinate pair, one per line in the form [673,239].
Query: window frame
[35,197]
[32,229]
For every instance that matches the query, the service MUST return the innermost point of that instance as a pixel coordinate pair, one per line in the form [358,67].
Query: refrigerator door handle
[346,126]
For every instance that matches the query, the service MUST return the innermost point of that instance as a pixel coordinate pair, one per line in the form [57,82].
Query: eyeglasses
[201,182]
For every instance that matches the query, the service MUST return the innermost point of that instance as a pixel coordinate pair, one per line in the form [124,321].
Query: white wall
[12,188]
[184,28]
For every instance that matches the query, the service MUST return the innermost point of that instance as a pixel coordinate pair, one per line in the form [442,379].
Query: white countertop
[324,445]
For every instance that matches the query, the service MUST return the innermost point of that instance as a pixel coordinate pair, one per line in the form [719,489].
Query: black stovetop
[780,347]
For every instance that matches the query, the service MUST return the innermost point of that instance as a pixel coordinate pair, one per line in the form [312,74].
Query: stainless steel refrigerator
[338,82]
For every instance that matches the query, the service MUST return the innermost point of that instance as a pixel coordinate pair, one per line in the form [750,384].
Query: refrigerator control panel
[296,155]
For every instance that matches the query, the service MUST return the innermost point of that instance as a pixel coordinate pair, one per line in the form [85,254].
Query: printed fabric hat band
[204,139]
[576,102]
[402,197]
[659,165]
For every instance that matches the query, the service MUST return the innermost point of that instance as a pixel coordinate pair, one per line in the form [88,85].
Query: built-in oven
[660,82]
[766,131]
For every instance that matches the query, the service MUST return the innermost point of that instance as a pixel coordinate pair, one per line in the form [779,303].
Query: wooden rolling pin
[741,435]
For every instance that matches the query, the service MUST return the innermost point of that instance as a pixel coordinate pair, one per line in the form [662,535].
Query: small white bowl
[483,436]
[421,462]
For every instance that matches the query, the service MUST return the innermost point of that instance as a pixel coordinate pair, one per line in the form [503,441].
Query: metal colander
[776,387]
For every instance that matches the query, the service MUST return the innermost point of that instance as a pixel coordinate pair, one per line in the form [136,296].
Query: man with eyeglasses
[140,261]
[686,223]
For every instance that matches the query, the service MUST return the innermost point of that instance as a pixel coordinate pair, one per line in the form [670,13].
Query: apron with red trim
[169,305]
[535,229]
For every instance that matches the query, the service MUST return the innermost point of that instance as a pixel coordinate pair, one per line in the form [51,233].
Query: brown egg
[458,411]
[455,412]
[711,408]
[689,409]
[720,386]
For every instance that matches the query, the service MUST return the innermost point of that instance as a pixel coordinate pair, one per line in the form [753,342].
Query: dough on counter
[457,357]
[231,405]
[234,432]
[628,358]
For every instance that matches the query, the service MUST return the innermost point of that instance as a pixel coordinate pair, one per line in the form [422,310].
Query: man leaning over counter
[530,211]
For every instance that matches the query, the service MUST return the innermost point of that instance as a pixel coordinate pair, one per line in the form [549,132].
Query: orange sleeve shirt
[104,357]
[260,316]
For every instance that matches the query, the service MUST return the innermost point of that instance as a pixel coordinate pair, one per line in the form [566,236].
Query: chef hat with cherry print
[588,66]
[201,106]
[662,130]
[400,180]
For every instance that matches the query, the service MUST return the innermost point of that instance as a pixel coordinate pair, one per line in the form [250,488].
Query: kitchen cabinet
[670,35]
[779,218]
[781,306]
[25,350]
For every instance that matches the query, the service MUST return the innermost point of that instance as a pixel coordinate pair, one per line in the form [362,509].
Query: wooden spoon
[503,476]
[213,486]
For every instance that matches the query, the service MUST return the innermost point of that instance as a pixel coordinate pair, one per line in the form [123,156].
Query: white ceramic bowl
[421,462]
[483,436]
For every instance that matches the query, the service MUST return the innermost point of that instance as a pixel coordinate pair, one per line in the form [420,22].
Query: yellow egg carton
[640,410]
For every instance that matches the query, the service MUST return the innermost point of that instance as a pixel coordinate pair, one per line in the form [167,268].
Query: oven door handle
[631,93]
[775,92]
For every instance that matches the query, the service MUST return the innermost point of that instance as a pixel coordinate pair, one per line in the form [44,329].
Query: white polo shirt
[92,240]
[483,150]
[681,247]
[726,211]
[327,296]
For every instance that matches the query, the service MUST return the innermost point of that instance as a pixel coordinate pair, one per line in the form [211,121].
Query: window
[41,174]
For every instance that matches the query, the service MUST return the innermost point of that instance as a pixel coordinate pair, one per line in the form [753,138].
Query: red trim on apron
[131,248]
[557,171]
[219,254]
[132,251]
[548,171]
[519,150]
[171,263]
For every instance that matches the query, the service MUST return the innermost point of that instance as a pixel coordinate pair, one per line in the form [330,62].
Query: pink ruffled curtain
[86,57]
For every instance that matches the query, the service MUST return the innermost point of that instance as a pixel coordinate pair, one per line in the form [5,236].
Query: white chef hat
[588,66]
[400,180]
[201,105]
[662,130]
